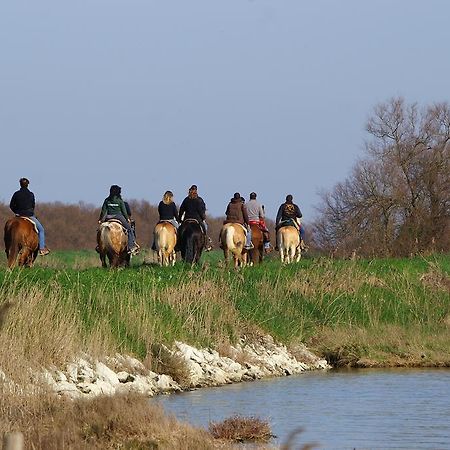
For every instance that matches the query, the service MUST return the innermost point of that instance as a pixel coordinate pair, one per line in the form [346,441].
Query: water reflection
[399,408]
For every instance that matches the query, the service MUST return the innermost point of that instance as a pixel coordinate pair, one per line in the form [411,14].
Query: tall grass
[354,310]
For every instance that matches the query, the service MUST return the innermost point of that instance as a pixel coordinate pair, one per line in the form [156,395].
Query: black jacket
[193,208]
[288,211]
[22,203]
[167,212]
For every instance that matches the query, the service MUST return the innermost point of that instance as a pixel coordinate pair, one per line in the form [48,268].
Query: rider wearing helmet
[114,208]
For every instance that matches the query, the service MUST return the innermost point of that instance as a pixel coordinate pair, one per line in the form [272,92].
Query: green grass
[382,308]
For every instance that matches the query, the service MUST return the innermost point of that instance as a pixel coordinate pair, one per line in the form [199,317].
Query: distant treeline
[73,226]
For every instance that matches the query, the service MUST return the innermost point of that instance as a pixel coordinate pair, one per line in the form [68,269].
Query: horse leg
[103,260]
[173,258]
[12,254]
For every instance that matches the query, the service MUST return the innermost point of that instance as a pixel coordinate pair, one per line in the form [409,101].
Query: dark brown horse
[21,242]
[190,241]
[257,252]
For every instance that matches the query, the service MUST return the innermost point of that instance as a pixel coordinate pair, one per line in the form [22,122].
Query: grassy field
[359,313]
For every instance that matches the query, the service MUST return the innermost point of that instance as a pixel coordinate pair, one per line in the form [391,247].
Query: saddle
[116,221]
[167,221]
[289,223]
[31,221]
[194,221]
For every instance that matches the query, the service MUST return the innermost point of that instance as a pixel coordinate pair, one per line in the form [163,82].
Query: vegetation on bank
[357,313]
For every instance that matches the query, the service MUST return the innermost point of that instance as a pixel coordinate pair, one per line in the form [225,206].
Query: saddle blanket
[116,221]
[30,220]
[289,223]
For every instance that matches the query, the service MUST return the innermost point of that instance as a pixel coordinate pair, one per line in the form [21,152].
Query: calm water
[365,409]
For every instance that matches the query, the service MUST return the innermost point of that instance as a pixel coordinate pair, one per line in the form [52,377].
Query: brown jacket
[236,212]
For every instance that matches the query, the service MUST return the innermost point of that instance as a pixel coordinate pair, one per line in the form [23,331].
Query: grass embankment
[374,313]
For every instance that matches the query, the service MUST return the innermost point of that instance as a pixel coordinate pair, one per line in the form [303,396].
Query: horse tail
[190,248]
[229,238]
[105,236]
[12,245]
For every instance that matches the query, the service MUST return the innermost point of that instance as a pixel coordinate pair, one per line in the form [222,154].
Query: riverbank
[356,313]
[64,322]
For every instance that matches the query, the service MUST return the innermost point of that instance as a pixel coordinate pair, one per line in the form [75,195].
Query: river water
[362,409]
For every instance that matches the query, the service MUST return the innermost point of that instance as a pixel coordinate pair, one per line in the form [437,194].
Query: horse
[289,244]
[190,241]
[257,252]
[112,243]
[21,242]
[165,241]
[232,237]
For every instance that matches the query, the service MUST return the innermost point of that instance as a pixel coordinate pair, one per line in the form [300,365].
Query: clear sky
[231,95]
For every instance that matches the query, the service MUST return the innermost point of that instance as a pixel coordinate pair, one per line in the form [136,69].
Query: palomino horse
[257,252]
[21,240]
[289,244]
[112,243]
[165,241]
[190,241]
[232,237]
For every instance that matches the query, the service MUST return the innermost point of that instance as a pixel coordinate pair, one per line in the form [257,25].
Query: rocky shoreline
[86,377]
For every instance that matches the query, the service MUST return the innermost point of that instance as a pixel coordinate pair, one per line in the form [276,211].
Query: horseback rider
[22,204]
[289,214]
[237,213]
[168,212]
[256,216]
[114,208]
[193,207]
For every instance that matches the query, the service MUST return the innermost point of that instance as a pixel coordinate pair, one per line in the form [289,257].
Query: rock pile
[85,377]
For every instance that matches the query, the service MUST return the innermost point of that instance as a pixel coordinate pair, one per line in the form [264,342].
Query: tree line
[396,200]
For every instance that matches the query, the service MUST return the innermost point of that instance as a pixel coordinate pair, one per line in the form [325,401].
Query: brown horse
[21,242]
[112,243]
[232,237]
[165,241]
[257,252]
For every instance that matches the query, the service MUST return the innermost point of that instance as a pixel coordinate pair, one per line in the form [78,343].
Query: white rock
[125,377]
[164,383]
[72,372]
[104,373]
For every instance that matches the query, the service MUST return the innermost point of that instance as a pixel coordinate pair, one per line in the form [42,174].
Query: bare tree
[396,200]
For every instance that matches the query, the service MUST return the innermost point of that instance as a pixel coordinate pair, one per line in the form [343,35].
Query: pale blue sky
[231,95]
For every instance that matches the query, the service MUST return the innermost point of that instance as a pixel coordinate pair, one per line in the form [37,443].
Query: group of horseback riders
[192,208]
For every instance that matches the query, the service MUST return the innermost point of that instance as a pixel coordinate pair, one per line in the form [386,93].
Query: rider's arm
[175,212]
[181,212]
[123,210]
[102,212]
[202,209]
[261,212]
[13,204]
[279,215]
[245,214]
[298,213]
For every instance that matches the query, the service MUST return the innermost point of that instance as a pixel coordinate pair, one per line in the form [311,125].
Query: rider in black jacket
[193,207]
[22,204]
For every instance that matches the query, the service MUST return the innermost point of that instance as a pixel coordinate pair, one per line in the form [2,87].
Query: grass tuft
[241,429]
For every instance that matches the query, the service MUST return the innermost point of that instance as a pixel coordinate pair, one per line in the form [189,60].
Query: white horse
[165,241]
[232,237]
[289,244]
